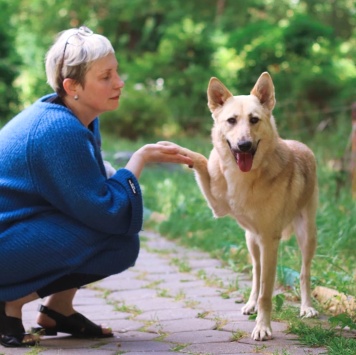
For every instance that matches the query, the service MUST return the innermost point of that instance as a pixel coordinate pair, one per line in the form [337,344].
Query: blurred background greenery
[167,52]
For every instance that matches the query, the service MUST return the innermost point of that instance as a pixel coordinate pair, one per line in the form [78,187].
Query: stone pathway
[172,301]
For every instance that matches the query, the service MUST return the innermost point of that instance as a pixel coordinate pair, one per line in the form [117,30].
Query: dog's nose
[245,146]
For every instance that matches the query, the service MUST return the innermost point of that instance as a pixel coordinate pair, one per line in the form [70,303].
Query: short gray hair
[72,55]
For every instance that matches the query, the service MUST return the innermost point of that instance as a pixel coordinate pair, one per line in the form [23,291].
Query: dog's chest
[249,202]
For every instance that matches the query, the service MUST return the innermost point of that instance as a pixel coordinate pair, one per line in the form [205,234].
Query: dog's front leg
[207,182]
[254,249]
[269,252]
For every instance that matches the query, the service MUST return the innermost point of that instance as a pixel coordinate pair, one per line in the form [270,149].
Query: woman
[66,217]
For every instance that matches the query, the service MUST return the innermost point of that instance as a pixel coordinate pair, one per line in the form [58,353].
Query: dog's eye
[231,120]
[254,120]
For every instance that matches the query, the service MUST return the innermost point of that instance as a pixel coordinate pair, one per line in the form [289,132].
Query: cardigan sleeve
[68,172]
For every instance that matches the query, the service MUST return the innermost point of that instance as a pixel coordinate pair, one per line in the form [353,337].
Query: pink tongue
[245,160]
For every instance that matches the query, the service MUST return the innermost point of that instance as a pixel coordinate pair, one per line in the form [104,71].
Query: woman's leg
[114,259]
[14,308]
[36,253]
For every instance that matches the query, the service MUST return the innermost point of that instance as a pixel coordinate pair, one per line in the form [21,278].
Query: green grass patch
[316,332]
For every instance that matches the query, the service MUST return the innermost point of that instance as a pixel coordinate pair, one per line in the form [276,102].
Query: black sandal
[12,332]
[77,325]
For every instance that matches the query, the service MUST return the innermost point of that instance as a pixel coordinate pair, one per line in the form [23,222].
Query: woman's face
[102,88]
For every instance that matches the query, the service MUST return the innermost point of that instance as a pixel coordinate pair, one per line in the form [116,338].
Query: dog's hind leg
[254,249]
[305,230]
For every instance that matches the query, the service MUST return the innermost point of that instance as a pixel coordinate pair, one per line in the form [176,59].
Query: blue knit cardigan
[51,168]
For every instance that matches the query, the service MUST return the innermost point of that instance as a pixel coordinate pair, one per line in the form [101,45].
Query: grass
[314,332]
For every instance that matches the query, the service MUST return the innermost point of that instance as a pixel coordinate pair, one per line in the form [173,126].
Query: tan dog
[267,184]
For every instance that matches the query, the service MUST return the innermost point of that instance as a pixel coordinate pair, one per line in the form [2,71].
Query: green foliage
[307,46]
[279,301]
[9,61]
[343,320]
[312,336]
[141,113]
[315,332]
[341,345]
[302,33]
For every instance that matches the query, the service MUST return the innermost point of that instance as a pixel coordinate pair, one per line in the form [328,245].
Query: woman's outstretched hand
[161,152]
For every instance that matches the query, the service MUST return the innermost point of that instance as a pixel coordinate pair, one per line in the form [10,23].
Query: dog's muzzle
[244,153]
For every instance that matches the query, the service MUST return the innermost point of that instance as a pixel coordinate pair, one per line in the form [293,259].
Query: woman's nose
[119,82]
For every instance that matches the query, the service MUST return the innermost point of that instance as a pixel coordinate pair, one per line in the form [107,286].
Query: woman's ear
[70,86]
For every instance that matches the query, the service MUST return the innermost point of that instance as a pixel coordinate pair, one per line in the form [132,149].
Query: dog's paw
[262,332]
[249,308]
[308,312]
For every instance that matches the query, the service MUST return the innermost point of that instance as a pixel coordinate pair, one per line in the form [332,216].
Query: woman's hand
[162,152]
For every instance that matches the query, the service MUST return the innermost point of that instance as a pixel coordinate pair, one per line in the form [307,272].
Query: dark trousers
[67,282]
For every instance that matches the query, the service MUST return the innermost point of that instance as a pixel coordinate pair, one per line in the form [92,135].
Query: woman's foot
[12,332]
[67,320]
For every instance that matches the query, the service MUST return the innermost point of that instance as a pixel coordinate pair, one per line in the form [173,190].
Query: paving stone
[282,343]
[123,284]
[124,325]
[159,269]
[168,314]
[218,303]
[203,263]
[179,278]
[182,325]
[197,292]
[177,285]
[234,315]
[245,326]
[199,337]
[76,351]
[132,295]
[145,346]
[218,348]
[65,341]
[137,336]
[248,326]
[157,303]
[14,351]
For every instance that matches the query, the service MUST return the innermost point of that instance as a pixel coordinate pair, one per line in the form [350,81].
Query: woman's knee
[133,249]
[126,253]
[119,253]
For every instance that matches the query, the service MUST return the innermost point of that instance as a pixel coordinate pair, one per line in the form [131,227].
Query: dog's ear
[264,90]
[217,94]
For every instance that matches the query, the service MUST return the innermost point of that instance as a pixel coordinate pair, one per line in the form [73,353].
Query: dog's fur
[267,184]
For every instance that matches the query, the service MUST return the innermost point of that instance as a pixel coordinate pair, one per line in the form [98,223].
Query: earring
[76,97]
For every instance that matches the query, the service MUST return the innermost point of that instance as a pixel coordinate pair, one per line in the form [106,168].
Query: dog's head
[244,121]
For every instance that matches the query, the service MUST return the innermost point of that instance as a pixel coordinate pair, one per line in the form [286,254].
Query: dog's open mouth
[244,159]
